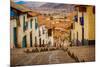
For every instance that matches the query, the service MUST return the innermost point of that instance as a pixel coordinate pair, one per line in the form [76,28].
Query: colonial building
[83,32]
[43,36]
[22,26]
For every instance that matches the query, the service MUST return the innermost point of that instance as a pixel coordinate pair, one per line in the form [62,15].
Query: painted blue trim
[82,20]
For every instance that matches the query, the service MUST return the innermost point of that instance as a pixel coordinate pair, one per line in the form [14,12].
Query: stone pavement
[48,57]
[71,55]
[84,53]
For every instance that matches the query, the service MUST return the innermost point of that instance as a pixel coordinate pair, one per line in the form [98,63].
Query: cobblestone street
[49,57]
[77,54]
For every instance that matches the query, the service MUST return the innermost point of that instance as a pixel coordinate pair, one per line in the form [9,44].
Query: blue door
[15,36]
[24,42]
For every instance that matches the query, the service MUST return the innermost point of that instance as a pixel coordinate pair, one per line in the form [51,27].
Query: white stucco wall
[43,36]
[35,32]
[12,25]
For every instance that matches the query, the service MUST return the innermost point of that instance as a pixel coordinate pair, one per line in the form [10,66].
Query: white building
[43,36]
[35,32]
[22,27]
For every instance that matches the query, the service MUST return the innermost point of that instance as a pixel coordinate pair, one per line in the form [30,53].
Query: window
[31,23]
[76,18]
[35,40]
[24,24]
[35,20]
[82,20]
[43,42]
[36,24]
[49,32]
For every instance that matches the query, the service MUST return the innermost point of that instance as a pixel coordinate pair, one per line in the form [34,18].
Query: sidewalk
[83,53]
